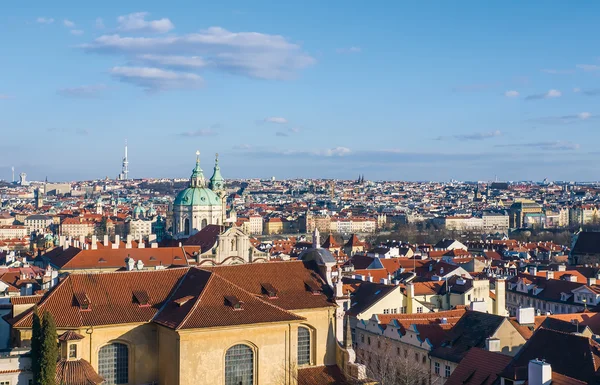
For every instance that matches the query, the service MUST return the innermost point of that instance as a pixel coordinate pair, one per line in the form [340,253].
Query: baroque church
[201,203]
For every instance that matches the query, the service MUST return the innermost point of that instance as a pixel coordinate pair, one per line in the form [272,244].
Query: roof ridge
[258,297]
[173,291]
[43,302]
[204,290]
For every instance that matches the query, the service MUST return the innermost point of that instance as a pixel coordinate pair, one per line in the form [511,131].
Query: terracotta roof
[580,363]
[75,258]
[478,367]
[330,243]
[321,375]
[78,372]
[186,297]
[289,278]
[206,238]
[26,299]
[211,305]
[110,295]
[70,335]
[354,242]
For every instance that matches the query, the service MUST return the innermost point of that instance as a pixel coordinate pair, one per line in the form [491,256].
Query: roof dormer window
[313,287]
[141,297]
[269,290]
[82,301]
[233,302]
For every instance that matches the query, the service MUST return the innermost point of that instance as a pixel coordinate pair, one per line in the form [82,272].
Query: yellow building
[250,324]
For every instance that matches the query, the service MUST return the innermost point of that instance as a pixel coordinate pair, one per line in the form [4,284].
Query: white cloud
[576,89]
[4,97]
[89,91]
[588,67]
[136,22]
[175,61]
[156,79]
[45,20]
[336,151]
[547,95]
[557,145]
[243,146]
[584,115]
[99,23]
[473,136]
[348,50]
[76,32]
[198,133]
[511,94]
[68,23]
[275,119]
[252,54]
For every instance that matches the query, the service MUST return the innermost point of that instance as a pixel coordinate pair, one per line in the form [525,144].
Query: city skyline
[401,92]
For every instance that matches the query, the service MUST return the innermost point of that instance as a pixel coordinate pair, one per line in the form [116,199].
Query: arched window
[113,364]
[187,226]
[239,365]
[204,223]
[303,346]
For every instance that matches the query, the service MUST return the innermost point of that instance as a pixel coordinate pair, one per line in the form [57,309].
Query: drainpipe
[90,331]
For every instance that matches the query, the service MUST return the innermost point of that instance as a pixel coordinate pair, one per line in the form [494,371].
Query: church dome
[197,196]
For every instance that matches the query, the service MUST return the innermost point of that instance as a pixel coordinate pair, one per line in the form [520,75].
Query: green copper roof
[216,180]
[197,196]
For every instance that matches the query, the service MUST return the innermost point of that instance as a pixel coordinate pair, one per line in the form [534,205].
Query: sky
[394,90]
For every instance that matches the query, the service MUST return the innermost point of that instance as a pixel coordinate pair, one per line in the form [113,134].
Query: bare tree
[394,365]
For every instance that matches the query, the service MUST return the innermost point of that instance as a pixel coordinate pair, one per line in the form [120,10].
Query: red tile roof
[479,367]
[78,372]
[321,375]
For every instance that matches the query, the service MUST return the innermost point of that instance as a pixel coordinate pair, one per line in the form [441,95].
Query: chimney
[151,238]
[154,245]
[549,274]
[533,270]
[539,373]
[526,316]
[562,267]
[105,242]
[141,244]
[500,302]
[117,242]
[384,281]
[591,281]
[94,242]
[128,241]
[81,240]
[492,344]
[410,294]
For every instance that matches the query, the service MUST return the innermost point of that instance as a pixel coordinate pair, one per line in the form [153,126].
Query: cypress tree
[36,349]
[49,351]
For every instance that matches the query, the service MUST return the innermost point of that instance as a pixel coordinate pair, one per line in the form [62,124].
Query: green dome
[197,196]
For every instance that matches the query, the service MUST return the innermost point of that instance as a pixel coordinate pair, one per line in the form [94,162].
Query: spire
[216,180]
[316,239]
[197,178]
[348,336]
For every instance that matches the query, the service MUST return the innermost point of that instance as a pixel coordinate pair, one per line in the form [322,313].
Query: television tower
[124,175]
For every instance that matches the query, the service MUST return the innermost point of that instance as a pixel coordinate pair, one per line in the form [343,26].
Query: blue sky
[393,90]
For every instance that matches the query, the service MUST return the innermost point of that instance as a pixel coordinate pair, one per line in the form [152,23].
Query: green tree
[36,350]
[49,351]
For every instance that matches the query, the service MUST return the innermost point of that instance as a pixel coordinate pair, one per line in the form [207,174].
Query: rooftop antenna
[13,174]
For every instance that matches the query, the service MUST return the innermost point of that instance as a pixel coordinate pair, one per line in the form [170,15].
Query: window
[447,373]
[398,350]
[72,351]
[419,309]
[394,311]
[379,344]
[239,365]
[113,363]
[406,353]
[417,357]
[403,310]
[436,368]
[386,311]
[424,358]
[369,340]
[4,382]
[303,346]
[362,338]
